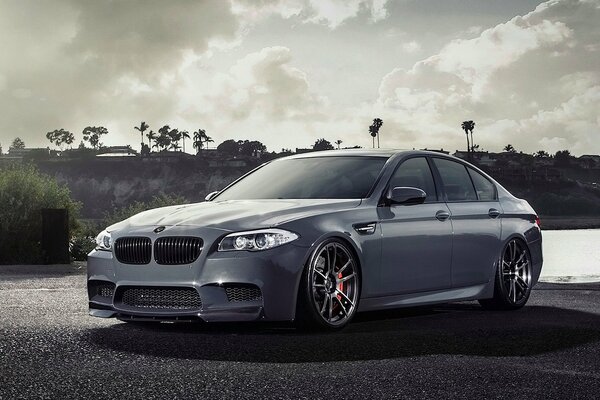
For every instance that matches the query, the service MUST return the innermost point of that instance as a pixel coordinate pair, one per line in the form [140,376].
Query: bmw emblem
[159,229]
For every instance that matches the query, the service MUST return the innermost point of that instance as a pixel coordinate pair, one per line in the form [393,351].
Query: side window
[485,189]
[415,172]
[456,180]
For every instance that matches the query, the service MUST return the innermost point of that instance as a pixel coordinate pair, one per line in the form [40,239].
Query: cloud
[411,47]
[531,81]
[259,69]
[265,84]
[70,64]
[331,13]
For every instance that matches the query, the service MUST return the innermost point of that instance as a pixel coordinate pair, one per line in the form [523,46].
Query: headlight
[256,240]
[103,241]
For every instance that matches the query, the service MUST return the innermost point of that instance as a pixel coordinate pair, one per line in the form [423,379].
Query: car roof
[360,153]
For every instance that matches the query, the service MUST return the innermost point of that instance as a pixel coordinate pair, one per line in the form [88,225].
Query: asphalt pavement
[50,348]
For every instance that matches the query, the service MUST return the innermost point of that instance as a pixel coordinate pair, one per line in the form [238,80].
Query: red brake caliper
[340,287]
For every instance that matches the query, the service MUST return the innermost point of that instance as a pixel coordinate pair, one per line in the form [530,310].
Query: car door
[416,239]
[473,203]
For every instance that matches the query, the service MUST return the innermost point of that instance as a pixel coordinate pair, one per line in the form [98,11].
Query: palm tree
[374,130]
[207,140]
[468,126]
[201,140]
[198,142]
[142,128]
[151,136]
[175,136]
[184,135]
[509,148]
[338,142]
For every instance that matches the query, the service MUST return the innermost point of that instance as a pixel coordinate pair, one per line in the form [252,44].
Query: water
[571,256]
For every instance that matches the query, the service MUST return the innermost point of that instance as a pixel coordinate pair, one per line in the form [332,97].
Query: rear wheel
[330,286]
[513,278]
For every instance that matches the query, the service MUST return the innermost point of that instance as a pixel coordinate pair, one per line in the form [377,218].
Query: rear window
[486,191]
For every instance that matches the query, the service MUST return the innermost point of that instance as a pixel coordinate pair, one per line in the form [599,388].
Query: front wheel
[330,287]
[513,278]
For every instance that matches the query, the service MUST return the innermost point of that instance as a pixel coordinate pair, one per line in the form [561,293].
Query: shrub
[23,193]
[83,241]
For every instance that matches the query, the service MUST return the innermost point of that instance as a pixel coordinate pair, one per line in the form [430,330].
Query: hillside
[103,184]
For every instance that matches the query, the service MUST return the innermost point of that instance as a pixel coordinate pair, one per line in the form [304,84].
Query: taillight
[538,222]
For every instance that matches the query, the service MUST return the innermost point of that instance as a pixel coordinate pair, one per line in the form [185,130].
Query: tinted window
[456,180]
[337,177]
[415,172]
[484,188]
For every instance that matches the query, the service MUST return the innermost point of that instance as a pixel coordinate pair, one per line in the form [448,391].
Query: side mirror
[211,195]
[406,196]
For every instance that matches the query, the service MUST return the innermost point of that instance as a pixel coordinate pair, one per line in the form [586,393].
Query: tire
[330,287]
[512,282]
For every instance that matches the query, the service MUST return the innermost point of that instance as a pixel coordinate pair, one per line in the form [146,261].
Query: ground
[51,348]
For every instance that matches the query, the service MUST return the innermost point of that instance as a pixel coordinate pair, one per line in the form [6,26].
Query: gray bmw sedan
[318,237]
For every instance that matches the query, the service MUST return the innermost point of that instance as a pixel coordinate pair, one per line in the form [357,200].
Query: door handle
[493,213]
[442,215]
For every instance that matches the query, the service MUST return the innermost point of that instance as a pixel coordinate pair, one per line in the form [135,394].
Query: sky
[288,72]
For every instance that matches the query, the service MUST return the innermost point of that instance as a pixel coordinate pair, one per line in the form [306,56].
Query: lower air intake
[162,298]
[105,290]
[236,293]
[101,290]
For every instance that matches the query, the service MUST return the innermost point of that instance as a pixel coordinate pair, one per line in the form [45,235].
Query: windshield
[338,177]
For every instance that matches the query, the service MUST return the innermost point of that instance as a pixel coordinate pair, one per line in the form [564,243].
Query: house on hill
[117,151]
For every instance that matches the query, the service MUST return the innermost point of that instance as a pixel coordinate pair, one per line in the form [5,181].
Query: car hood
[233,215]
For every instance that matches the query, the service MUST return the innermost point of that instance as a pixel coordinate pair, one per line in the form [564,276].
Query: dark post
[55,236]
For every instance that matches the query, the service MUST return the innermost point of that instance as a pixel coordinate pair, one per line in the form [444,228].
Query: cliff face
[103,184]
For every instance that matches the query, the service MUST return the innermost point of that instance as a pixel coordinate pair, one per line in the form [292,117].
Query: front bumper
[276,273]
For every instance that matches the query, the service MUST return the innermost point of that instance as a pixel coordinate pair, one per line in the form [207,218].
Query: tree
[198,141]
[338,142]
[142,128]
[24,191]
[374,130]
[175,136]
[201,139]
[509,148]
[17,143]
[93,134]
[151,136]
[251,148]
[184,135]
[468,126]
[541,154]
[163,140]
[145,149]
[60,137]
[230,147]
[0,149]
[563,157]
[322,144]
[207,140]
